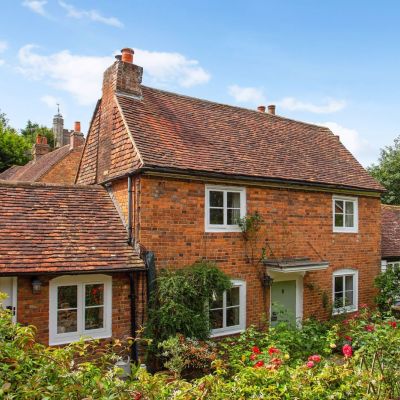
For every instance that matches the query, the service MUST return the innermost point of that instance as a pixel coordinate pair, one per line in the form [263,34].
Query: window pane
[338,302]
[338,219]
[349,282]
[232,316]
[216,302]
[232,297]
[94,295]
[216,199]
[94,318]
[339,284]
[216,216]
[233,199]
[233,216]
[349,299]
[349,221]
[339,207]
[67,321]
[67,297]
[349,207]
[216,319]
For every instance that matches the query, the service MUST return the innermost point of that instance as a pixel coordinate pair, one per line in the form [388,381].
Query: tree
[32,129]
[387,172]
[14,148]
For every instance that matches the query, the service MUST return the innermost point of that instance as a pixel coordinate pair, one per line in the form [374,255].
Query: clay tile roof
[34,170]
[390,231]
[185,133]
[47,228]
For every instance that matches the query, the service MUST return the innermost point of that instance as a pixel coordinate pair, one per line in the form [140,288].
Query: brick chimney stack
[76,139]
[123,77]
[261,109]
[40,148]
[271,109]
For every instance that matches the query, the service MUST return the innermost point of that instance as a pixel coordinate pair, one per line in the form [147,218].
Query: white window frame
[80,281]
[230,330]
[225,189]
[345,229]
[342,273]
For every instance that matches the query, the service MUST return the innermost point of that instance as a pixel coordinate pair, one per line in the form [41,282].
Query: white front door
[8,285]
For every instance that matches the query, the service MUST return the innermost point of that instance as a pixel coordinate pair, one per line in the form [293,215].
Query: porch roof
[287,265]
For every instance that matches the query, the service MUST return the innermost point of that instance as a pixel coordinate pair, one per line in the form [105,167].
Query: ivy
[388,283]
[180,301]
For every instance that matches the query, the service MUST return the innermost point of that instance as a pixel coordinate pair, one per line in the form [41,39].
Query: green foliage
[14,149]
[387,172]
[32,129]
[180,302]
[388,283]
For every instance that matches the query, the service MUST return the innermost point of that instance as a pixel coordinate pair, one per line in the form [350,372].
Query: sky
[333,63]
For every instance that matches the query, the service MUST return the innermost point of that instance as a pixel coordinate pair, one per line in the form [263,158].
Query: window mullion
[81,308]
[224,310]
[225,207]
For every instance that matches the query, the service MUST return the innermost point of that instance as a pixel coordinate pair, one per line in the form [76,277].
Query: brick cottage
[181,172]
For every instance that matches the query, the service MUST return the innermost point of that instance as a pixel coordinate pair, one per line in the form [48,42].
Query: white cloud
[37,6]
[92,15]
[331,106]
[82,76]
[166,68]
[353,141]
[256,96]
[3,48]
[247,94]
[50,101]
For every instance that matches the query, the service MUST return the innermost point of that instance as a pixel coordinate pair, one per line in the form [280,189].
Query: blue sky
[334,63]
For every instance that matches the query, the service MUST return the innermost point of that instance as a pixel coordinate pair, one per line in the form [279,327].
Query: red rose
[369,328]
[276,361]
[348,338]
[256,350]
[310,364]
[347,350]
[253,357]
[393,324]
[315,358]
[259,364]
[273,350]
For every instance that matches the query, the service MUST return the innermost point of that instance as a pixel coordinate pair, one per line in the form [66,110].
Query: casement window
[224,206]
[345,214]
[228,311]
[345,291]
[80,306]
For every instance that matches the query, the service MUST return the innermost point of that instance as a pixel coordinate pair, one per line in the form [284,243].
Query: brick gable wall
[169,217]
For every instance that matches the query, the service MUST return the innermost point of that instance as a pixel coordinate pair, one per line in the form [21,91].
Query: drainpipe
[130,209]
[132,295]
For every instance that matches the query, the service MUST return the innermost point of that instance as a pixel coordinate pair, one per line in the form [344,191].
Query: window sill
[72,339]
[345,230]
[231,229]
[227,332]
[344,310]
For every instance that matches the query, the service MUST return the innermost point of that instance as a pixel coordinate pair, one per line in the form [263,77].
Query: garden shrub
[388,283]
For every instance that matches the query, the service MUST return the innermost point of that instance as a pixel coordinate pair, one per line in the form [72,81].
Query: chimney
[58,130]
[271,109]
[123,77]
[261,109]
[76,139]
[40,148]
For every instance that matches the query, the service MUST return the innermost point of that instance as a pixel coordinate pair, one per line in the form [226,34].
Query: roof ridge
[239,108]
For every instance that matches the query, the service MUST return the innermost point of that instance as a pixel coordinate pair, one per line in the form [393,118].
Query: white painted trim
[79,280]
[290,270]
[342,272]
[242,312]
[15,298]
[224,227]
[384,264]
[298,277]
[344,229]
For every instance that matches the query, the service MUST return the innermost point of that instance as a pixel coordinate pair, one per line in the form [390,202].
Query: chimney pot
[77,126]
[44,140]
[127,55]
[38,139]
[271,109]
[261,109]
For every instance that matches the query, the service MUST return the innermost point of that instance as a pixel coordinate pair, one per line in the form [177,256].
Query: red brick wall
[33,309]
[297,224]
[65,171]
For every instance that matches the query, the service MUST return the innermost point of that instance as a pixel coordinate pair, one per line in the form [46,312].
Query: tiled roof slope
[176,131]
[51,228]
[35,169]
[390,231]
